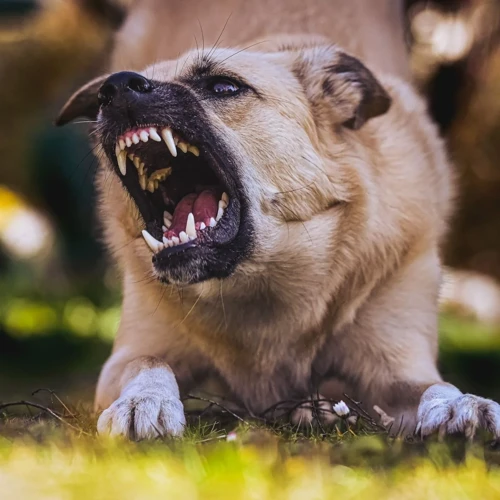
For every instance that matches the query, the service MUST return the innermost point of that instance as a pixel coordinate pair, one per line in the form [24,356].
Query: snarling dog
[277,214]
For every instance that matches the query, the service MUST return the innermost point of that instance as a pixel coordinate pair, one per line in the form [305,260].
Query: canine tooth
[121,143]
[183,146]
[142,167]
[225,198]
[167,216]
[151,186]
[152,242]
[117,150]
[122,162]
[220,213]
[128,142]
[183,237]
[144,136]
[213,222]
[137,162]
[202,226]
[190,227]
[164,229]
[135,139]
[142,181]
[194,150]
[167,222]
[156,183]
[154,135]
[166,133]
[175,240]
[222,204]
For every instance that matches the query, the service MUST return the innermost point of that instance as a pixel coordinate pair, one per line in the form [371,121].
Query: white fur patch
[445,409]
[149,407]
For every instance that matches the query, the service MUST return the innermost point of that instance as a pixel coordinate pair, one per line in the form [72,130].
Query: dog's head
[221,150]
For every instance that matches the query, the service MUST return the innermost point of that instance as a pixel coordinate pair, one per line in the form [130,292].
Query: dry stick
[363,413]
[222,407]
[61,402]
[45,409]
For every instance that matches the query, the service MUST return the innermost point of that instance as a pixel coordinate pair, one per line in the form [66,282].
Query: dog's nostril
[139,84]
[121,82]
[106,93]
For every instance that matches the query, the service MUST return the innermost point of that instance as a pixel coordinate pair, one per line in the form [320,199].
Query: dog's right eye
[223,87]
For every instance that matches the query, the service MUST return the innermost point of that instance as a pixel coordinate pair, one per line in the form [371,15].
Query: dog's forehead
[252,65]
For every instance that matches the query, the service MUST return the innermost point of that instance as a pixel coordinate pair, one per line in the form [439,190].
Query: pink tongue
[203,206]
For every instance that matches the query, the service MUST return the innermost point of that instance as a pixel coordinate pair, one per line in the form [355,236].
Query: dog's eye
[223,87]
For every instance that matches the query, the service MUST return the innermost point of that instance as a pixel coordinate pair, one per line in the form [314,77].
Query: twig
[215,403]
[45,409]
[60,401]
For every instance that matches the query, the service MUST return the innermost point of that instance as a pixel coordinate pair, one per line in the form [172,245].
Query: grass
[44,458]
[41,458]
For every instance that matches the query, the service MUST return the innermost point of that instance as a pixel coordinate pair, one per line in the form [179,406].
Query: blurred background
[59,295]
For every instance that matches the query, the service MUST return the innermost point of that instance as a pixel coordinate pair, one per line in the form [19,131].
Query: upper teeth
[143,135]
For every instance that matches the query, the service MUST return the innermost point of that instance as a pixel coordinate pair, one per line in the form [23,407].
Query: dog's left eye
[223,87]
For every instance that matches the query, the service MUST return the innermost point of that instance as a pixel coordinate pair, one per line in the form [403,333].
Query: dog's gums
[191,198]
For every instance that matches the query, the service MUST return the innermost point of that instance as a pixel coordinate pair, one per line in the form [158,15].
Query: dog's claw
[448,412]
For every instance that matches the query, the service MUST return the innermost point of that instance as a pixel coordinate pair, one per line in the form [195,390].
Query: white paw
[444,409]
[143,416]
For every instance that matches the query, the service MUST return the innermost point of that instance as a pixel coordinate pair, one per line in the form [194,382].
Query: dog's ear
[341,86]
[83,103]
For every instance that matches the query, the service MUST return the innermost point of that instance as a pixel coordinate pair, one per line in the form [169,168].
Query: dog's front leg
[148,405]
[389,355]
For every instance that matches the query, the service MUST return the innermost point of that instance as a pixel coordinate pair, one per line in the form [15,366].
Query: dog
[275,199]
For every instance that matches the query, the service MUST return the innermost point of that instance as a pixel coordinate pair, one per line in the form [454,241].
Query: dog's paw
[444,409]
[143,416]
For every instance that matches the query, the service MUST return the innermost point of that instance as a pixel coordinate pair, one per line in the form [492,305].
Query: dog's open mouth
[176,187]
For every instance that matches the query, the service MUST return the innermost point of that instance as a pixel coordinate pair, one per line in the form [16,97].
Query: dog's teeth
[128,141]
[183,146]
[117,150]
[164,229]
[135,139]
[121,143]
[122,162]
[190,227]
[151,186]
[213,222]
[222,204]
[183,237]
[166,133]
[131,157]
[167,222]
[175,240]
[142,181]
[167,216]
[137,162]
[202,226]
[166,241]
[225,198]
[220,213]
[152,242]
[142,168]
[144,136]
[154,135]
[194,150]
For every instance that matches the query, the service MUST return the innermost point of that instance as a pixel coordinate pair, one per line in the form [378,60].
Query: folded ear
[82,103]
[341,86]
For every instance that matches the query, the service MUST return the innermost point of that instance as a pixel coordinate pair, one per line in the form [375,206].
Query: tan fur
[345,274]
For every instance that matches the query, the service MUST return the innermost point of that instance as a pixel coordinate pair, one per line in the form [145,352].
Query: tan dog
[305,196]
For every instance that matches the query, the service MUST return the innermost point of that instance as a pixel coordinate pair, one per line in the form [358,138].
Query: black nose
[119,83]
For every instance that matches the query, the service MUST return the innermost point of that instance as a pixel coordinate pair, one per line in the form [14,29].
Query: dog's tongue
[202,205]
